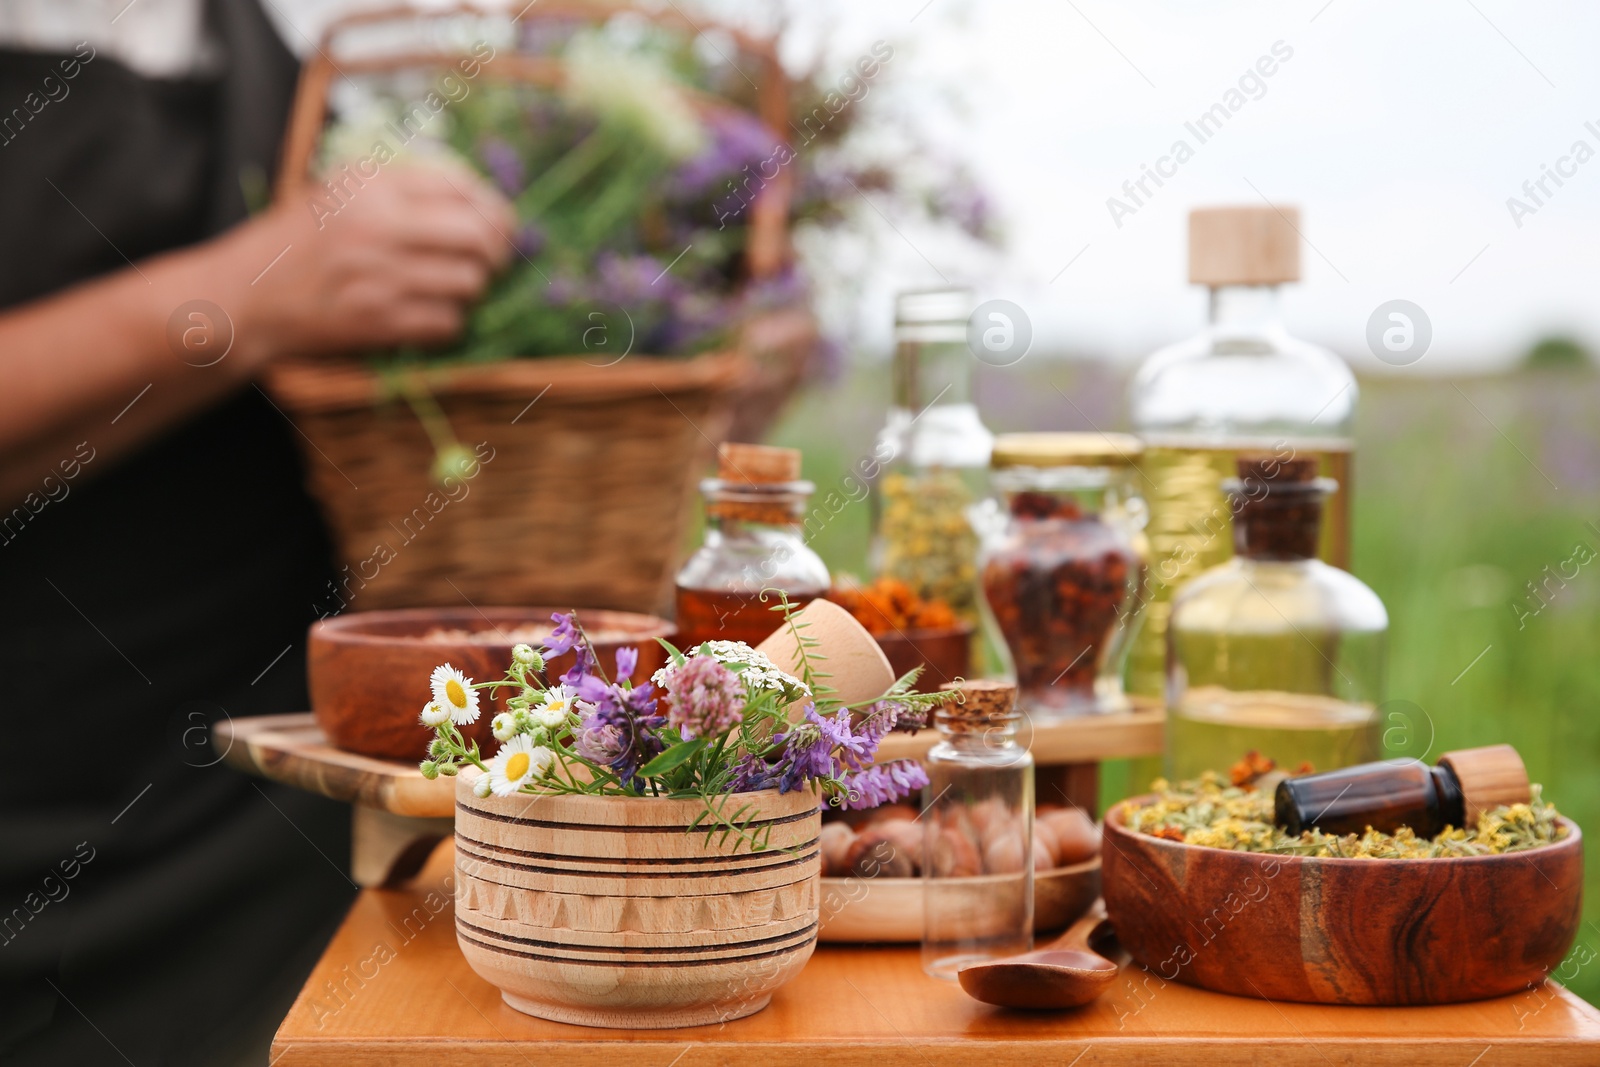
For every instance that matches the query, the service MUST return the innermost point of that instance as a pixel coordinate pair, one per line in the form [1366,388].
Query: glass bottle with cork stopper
[1242,384]
[1274,651]
[1386,796]
[754,541]
[977,821]
[935,454]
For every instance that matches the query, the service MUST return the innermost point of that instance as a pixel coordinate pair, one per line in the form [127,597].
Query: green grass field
[1470,495]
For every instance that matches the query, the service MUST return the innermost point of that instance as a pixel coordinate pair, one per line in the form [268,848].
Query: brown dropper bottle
[1387,796]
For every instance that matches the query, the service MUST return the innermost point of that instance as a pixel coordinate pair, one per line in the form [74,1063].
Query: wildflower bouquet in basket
[719,719]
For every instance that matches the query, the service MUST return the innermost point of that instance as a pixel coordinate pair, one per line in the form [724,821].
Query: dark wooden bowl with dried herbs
[1335,930]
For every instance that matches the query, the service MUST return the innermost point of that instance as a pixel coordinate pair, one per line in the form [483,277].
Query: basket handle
[767,243]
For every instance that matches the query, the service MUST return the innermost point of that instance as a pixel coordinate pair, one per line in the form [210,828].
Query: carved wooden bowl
[1342,931]
[603,911]
[369,670]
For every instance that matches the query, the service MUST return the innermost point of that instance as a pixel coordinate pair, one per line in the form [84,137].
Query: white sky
[1399,129]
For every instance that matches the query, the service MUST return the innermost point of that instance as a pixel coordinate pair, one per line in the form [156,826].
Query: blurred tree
[1559,353]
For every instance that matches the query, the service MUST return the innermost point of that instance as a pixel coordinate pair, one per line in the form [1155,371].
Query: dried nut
[989,815]
[835,841]
[1046,843]
[955,856]
[906,836]
[1077,838]
[872,855]
[891,811]
[1004,854]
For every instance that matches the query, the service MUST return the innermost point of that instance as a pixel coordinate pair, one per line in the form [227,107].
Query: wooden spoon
[1063,974]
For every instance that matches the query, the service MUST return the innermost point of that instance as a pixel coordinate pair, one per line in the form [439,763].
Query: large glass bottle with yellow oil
[1243,384]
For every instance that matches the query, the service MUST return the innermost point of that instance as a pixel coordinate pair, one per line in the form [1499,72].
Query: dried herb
[928,542]
[1213,814]
[1057,584]
[890,606]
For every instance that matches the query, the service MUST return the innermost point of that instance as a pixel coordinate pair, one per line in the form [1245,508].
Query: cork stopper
[1254,245]
[757,464]
[986,703]
[1274,469]
[1489,777]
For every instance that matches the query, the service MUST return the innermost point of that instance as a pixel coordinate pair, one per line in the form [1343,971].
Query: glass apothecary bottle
[1063,571]
[977,824]
[935,454]
[1242,384]
[754,541]
[1275,651]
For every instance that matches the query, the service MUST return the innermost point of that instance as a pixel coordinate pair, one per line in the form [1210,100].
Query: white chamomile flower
[481,787]
[504,726]
[434,714]
[558,703]
[518,762]
[453,691]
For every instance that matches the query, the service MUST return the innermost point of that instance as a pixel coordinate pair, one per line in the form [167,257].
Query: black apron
[155,906]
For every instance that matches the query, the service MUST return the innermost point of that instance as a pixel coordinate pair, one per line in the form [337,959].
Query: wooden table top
[393,989]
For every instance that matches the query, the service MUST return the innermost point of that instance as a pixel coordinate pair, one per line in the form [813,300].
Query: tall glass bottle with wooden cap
[935,454]
[1274,651]
[754,543]
[1241,384]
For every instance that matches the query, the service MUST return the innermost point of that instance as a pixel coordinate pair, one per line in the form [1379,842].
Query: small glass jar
[754,544]
[977,823]
[1063,570]
[1274,652]
[935,454]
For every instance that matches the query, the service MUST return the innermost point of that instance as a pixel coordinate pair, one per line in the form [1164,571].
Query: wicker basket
[583,494]
[587,487]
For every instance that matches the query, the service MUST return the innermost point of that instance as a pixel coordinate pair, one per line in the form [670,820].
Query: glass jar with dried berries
[1063,573]
[755,541]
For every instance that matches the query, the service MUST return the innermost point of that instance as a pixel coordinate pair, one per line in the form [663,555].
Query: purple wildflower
[530,239]
[632,713]
[583,665]
[808,749]
[632,280]
[737,140]
[563,637]
[883,784]
[854,750]
[707,699]
[504,165]
[627,661]
[878,721]
[751,774]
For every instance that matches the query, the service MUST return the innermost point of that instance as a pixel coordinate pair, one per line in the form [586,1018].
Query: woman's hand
[393,260]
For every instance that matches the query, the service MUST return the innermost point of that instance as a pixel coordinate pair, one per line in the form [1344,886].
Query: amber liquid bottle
[754,550]
[1243,384]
